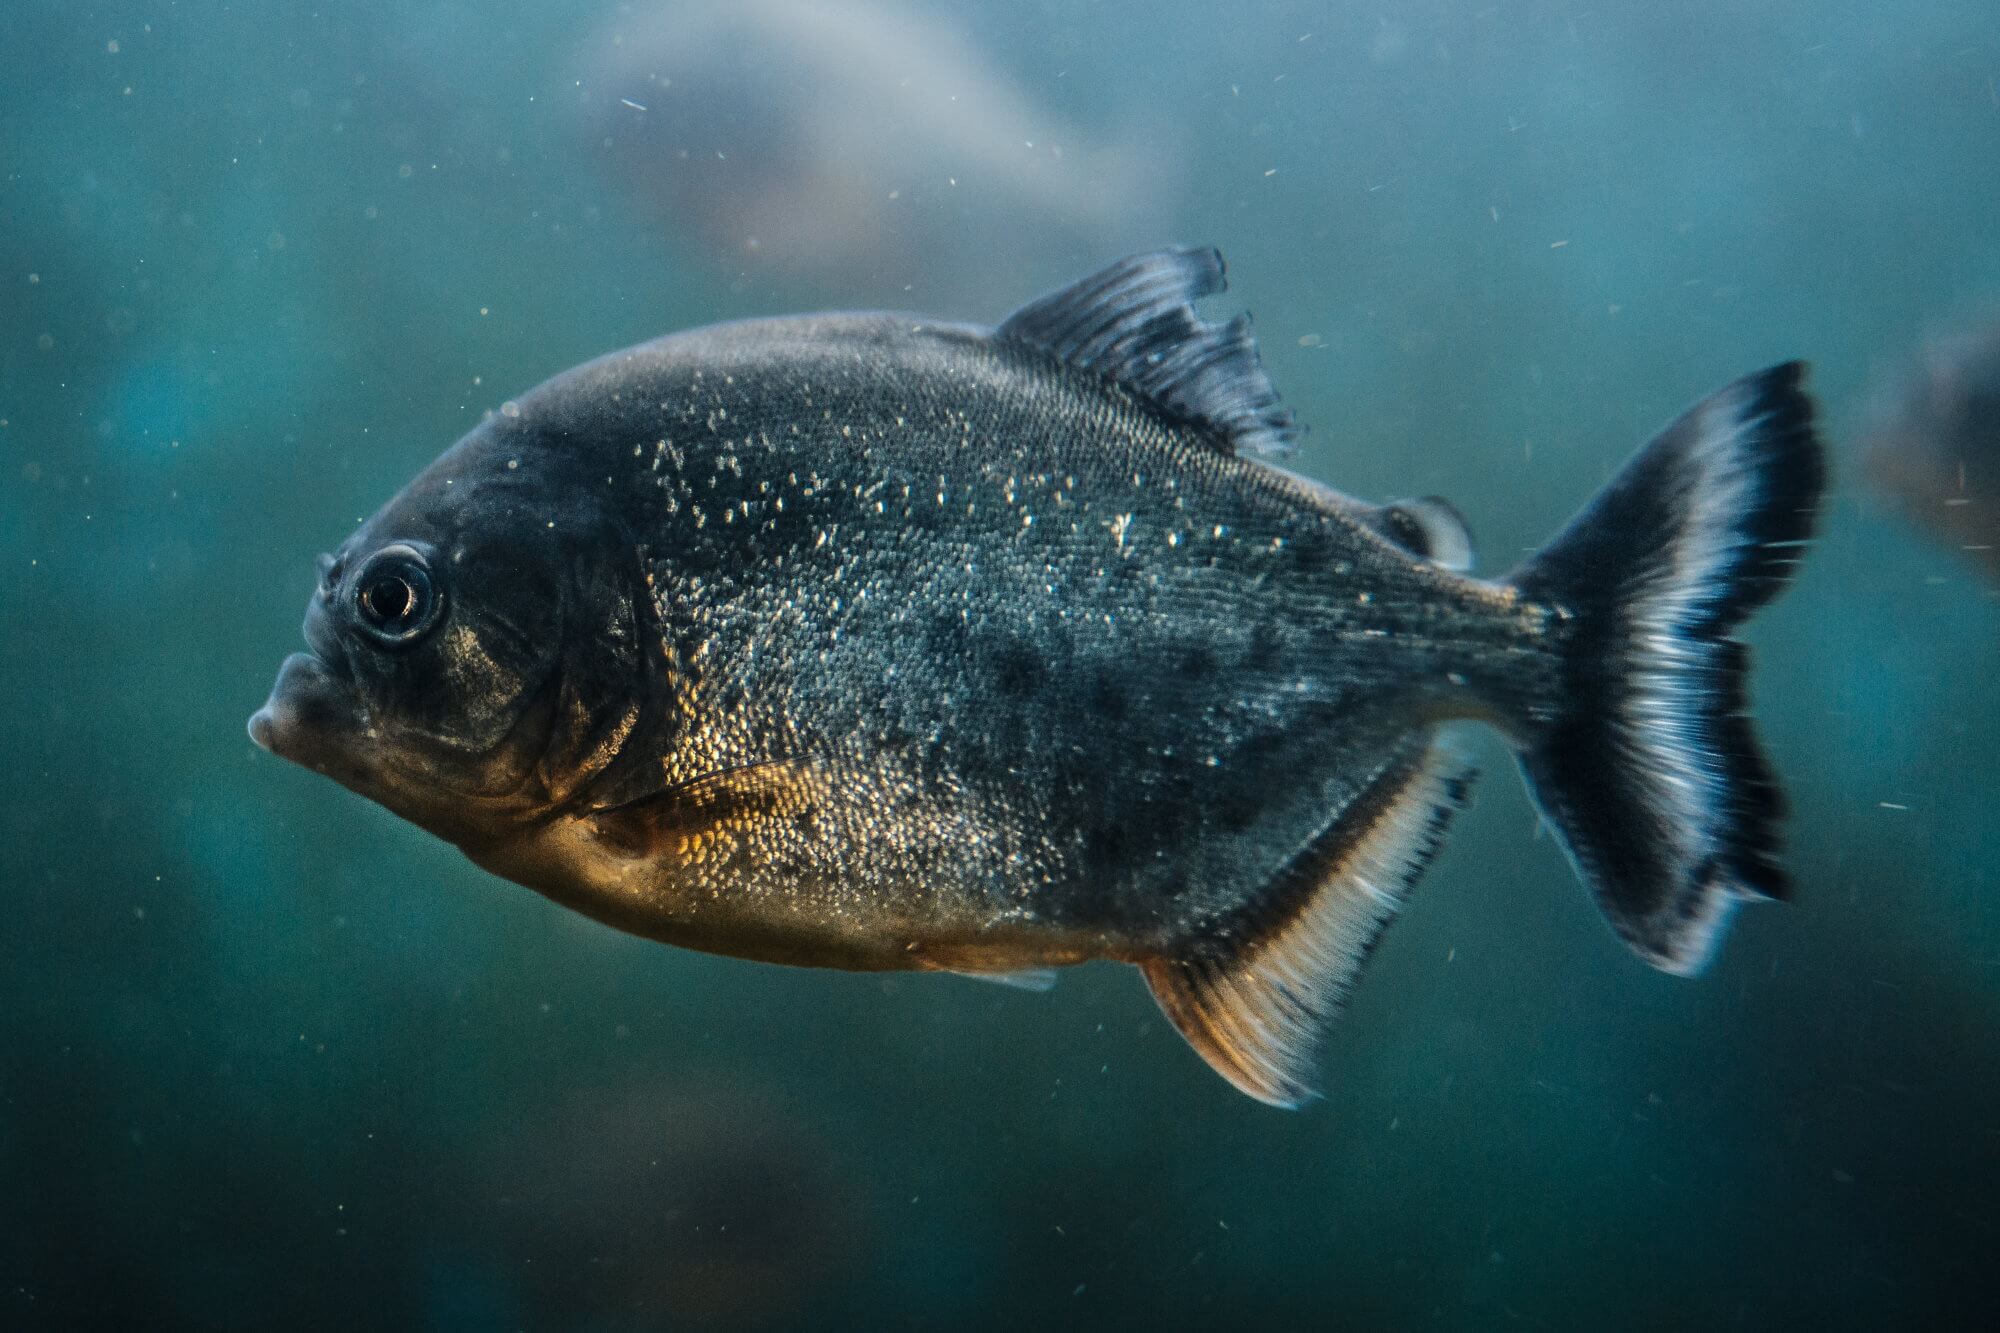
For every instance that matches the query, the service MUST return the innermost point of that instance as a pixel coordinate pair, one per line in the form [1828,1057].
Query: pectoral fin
[692,818]
[1253,994]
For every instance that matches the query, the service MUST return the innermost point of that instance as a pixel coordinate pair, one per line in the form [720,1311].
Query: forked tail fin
[1648,771]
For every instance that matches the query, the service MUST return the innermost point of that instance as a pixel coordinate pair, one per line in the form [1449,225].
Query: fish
[676,1200]
[1932,446]
[852,145]
[871,641]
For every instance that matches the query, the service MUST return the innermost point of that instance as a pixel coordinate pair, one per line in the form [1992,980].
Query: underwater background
[269,1055]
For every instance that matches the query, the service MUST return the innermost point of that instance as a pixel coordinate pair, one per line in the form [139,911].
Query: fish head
[466,649]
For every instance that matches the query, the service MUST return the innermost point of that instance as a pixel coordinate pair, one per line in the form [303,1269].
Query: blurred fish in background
[875,153]
[1933,448]
[675,1196]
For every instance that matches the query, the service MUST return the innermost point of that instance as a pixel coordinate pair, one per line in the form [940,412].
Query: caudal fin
[1647,770]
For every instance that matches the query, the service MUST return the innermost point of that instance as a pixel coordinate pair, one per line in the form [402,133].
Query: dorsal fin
[1135,323]
[1253,996]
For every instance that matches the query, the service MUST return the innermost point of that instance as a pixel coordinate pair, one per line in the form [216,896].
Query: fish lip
[308,708]
[262,729]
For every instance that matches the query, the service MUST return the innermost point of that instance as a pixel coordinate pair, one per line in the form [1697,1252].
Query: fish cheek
[462,718]
[483,693]
[446,711]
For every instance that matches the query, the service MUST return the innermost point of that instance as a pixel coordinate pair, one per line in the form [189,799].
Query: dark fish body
[1042,694]
[872,642]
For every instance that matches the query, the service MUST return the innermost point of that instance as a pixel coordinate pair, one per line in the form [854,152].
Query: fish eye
[394,596]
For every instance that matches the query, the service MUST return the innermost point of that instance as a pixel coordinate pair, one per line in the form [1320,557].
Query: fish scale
[1009,635]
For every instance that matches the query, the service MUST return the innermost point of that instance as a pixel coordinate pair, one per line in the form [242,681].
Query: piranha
[877,642]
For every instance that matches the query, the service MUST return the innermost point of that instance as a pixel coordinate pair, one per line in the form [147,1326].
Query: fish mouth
[309,712]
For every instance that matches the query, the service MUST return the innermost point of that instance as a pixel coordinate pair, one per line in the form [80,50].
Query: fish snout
[308,710]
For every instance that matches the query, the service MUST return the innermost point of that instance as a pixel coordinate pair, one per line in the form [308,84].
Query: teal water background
[272,1057]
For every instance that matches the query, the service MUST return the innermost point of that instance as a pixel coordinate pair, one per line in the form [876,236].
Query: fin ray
[1134,323]
[1253,997]
[1646,766]
[1036,979]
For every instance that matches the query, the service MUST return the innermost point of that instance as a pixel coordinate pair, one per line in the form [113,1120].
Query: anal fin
[1036,979]
[1254,995]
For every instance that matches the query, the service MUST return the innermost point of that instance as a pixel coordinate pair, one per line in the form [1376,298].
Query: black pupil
[394,600]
